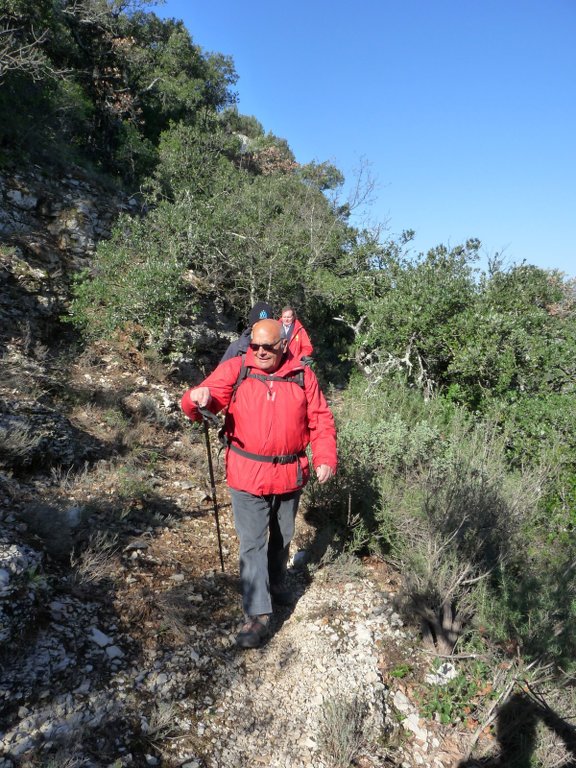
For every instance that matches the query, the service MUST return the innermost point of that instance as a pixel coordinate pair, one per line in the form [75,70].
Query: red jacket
[299,343]
[271,418]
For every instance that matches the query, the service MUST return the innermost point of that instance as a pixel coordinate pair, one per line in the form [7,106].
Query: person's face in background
[287,318]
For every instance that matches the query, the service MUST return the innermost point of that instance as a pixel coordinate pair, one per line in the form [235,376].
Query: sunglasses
[265,347]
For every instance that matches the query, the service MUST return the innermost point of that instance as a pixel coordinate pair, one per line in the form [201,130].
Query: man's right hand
[324,473]
[200,396]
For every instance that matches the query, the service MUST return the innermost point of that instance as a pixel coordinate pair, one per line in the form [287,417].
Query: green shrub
[532,606]
[431,489]
[459,699]
[137,283]
[384,436]
[540,423]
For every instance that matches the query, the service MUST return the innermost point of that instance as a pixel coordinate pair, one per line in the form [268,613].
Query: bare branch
[152,84]
[356,327]
[27,58]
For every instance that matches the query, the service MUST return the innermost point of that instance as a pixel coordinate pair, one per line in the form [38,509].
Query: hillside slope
[117,622]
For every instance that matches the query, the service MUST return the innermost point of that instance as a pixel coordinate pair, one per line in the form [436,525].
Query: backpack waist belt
[286,458]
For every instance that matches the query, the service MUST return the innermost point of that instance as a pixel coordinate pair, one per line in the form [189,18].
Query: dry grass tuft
[341,731]
[162,722]
[175,611]
[18,442]
[339,568]
[97,562]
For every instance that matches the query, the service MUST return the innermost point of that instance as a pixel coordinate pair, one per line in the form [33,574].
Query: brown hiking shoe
[254,632]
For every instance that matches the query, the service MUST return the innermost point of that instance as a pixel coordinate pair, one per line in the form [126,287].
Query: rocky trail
[127,658]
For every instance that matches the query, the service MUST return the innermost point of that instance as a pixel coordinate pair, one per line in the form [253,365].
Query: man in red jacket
[294,332]
[272,414]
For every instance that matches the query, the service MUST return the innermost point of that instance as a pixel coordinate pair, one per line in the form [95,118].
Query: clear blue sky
[464,109]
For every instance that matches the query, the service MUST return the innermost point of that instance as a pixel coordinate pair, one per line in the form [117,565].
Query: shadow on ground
[517,722]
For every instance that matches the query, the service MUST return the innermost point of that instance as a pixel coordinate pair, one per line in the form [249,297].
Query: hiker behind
[275,408]
[293,331]
[260,311]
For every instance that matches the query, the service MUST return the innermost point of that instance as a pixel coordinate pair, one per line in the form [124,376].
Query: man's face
[287,317]
[267,345]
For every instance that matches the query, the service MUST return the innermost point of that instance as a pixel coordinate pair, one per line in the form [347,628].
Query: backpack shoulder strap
[242,374]
[291,378]
[246,373]
[297,378]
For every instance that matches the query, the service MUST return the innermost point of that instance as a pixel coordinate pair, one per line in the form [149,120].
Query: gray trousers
[265,527]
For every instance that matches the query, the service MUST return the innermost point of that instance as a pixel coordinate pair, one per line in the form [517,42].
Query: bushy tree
[137,285]
[238,235]
[172,79]
[511,337]
[104,78]
[407,312]
[248,234]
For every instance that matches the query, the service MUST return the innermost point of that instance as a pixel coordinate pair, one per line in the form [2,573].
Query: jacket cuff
[190,408]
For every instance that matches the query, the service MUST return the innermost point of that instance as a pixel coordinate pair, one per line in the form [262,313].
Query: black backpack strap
[292,378]
[247,373]
[244,370]
[298,378]
[286,458]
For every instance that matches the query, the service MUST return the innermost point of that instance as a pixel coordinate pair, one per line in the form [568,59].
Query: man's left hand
[324,473]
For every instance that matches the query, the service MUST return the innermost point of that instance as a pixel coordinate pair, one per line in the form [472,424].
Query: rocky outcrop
[49,229]
[59,219]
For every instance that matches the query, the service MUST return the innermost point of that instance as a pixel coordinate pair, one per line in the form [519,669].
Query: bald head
[267,344]
[267,327]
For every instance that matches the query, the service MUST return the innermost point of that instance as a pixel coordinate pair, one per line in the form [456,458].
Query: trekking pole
[208,416]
